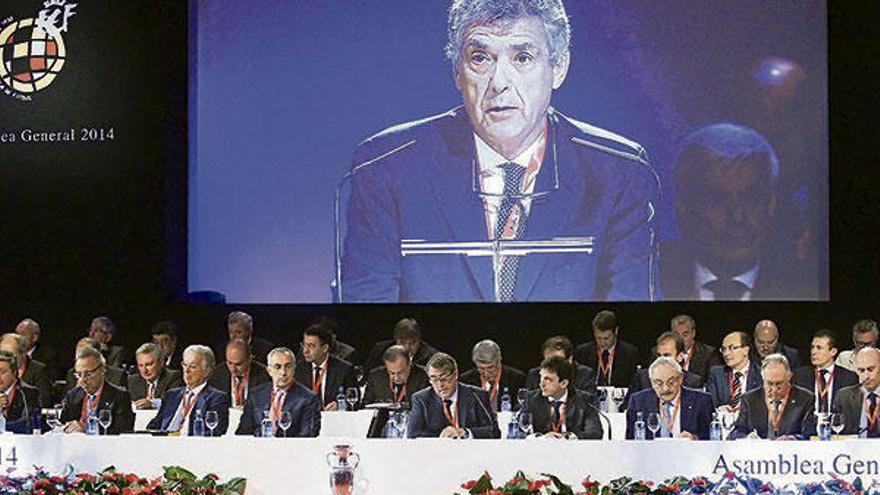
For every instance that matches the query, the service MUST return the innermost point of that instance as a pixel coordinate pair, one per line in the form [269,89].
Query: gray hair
[242,318]
[28,322]
[685,320]
[106,323]
[20,343]
[205,351]
[775,359]
[149,348]
[91,352]
[395,352]
[486,351]
[663,361]
[281,350]
[465,13]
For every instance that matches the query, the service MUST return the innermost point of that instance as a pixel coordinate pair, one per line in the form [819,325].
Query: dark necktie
[554,414]
[775,431]
[513,175]
[316,377]
[736,389]
[823,398]
[726,290]
[605,369]
[872,408]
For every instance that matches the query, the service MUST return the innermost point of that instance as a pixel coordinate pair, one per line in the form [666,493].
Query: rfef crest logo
[32,51]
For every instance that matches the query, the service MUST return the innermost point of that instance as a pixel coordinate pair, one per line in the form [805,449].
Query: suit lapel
[176,398]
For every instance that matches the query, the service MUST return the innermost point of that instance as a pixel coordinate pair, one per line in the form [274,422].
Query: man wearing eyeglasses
[729,382]
[196,397]
[19,402]
[93,394]
[490,374]
[671,345]
[397,381]
[293,409]
[682,412]
[504,166]
[864,334]
[449,408]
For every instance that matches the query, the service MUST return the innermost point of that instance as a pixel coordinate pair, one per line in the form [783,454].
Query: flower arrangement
[729,484]
[174,481]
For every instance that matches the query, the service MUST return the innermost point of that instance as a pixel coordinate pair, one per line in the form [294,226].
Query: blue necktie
[513,175]
[664,430]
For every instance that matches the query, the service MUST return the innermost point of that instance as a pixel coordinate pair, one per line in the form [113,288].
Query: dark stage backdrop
[94,227]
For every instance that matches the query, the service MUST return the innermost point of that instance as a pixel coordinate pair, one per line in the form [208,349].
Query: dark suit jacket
[642,381]
[168,379]
[414,181]
[718,385]
[38,375]
[695,412]
[222,380]
[379,391]
[790,353]
[116,376]
[626,358]
[116,356]
[47,354]
[584,379]
[797,419]
[427,418]
[704,357]
[114,398]
[260,348]
[340,373]
[581,418]
[511,378]
[24,411]
[805,378]
[303,406]
[850,401]
[210,399]
[421,358]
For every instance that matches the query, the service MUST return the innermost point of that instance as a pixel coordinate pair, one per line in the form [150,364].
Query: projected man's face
[505,77]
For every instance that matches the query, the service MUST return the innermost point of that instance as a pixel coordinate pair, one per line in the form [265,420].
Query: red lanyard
[89,405]
[822,386]
[187,407]
[670,422]
[451,417]
[871,416]
[688,356]
[275,408]
[316,384]
[605,368]
[401,395]
[557,426]
[238,391]
[775,419]
[493,389]
[9,396]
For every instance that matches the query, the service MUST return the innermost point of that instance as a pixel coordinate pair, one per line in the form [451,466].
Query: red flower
[468,485]
[729,475]
[112,489]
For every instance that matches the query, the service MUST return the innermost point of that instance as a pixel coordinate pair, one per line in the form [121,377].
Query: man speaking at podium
[504,198]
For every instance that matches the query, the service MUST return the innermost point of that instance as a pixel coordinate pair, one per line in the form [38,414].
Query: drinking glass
[211,421]
[525,423]
[521,395]
[105,417]
[53,420]
[837,423]
[284,421]
[728,420]
[617,395]
[654,423]
[351,396]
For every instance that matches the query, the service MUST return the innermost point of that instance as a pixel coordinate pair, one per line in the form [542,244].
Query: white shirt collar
[563,399]
[703,275]
[198,390]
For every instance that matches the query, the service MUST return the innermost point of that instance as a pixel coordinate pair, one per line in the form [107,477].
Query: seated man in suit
[112,374]
[281,396]
[766,337]
[669,344]
[777,411]
[180,405]
[699,357]
[408,333]
[683,412]
[491,375]
[613,359]
[450,409]
[34,373]
[239,373]
[153,379]
[729,382]
[37,351]
[19,402]
[324,374]
[397,381]
[559,411]
[860,403]
[583,378]
[823,379]
[240,325]
[102,329]
[165,335]
[864,334]
[94,394]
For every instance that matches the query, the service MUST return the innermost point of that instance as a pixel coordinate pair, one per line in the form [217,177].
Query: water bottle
[92,425]
[513,429]
[340,400]
[639,426]
[2,423]
[37,427]
[198,427]
[266,426]
[715,427]
[391,430]
[505,400]
[824,427]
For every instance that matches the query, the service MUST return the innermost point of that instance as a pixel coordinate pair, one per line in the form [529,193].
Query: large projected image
[508,151]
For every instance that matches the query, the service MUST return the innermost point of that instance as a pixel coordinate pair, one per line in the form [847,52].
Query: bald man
[859,403]
[766,338]
[239,374]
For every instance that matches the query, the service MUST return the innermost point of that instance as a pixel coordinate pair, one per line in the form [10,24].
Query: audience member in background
[407,333]
[281,395]
[322,373]
[340,349]
[583,378]
[240,325]
[767,342]
[859,403]
[112,374]
[671,345]
[153,379]
[491,375]
[823,379]
[239,374]
[165,335]
[397,381]
[699,357]
[614,360]
[94,394]
[729,382]
[19,402]
[778,410]
[103,330]
[683,412]
[196,397]
[31,372]
[558,410]
[864,334]
[37,351]
[450,409]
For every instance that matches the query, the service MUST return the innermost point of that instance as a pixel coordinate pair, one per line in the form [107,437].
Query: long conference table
[438,466]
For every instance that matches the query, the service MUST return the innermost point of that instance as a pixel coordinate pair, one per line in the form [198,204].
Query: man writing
[153,379]
[559,411]
[94,394]
[397,381]
[239,373]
